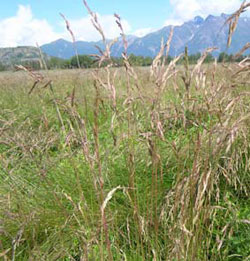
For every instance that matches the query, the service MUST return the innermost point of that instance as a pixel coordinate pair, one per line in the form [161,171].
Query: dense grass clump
[126,164]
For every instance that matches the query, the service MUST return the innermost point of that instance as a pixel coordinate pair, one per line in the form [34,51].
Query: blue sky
[140,13]
[25,22]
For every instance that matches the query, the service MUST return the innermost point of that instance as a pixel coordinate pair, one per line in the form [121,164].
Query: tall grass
[128,163]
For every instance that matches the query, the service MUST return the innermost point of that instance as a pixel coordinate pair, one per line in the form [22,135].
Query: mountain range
[197,34]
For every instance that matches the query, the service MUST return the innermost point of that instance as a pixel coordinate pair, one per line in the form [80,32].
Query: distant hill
[65,49]
[20,55]
[198,34]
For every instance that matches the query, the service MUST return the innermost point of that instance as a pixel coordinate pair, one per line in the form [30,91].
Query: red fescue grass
[137,164]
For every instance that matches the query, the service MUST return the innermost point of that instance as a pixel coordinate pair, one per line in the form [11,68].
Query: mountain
[149,45]
[65,49]
[198,34]
[19,55]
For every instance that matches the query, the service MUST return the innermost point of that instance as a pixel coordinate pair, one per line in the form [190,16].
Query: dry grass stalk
[42,61]
[197,72]
[15,242]
[186,77]
[125,42]
[233,20]
[244,62]
[100,174]
[169,72]
[243,69]
[131,75]
[109,85]
[129,69]
[39,78]
[95,21]
[4,254]
[161,72]
[158,63]
[36,76]
[73,38]
[197,68]
[108,198]
[106,54]
[244,48]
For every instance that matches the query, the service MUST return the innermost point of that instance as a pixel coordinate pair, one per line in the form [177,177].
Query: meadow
[158,173]
[126,163]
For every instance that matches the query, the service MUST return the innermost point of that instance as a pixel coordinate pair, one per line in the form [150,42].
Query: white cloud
[184,10]
[24,29]
[143,31]
[173,21]
[84,30]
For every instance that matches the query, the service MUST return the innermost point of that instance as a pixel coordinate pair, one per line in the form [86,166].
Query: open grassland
[126,165]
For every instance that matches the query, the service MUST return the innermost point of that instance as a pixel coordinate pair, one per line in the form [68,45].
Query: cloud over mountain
[24,29]
[184,10]
[85,31]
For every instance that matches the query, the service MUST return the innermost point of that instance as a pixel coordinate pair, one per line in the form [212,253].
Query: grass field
[126,165]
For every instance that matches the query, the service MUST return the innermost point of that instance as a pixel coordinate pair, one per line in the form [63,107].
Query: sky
[31,22]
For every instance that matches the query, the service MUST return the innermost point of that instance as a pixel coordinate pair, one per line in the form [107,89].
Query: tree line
[86,61]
